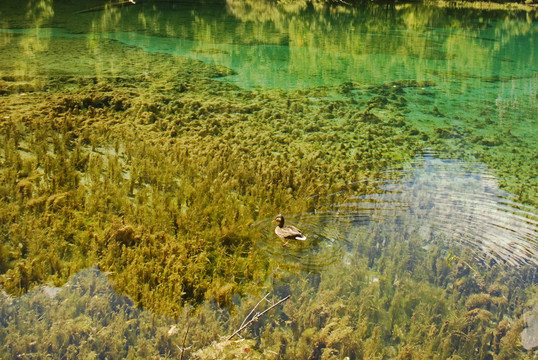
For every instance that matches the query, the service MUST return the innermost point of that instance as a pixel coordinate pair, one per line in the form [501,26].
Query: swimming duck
[287,232]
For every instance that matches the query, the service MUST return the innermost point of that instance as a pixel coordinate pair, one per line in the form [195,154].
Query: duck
[288,232]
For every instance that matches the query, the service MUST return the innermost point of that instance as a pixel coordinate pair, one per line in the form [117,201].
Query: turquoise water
[478,66]
[444,226]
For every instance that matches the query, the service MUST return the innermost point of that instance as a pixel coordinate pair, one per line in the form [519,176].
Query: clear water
[478,66]
[477,71]
[450,202]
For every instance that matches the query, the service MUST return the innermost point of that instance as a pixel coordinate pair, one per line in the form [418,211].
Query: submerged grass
[156,170]
[159,182]
[428,311]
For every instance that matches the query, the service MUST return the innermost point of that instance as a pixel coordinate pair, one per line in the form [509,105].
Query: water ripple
[326,243]
[458,202]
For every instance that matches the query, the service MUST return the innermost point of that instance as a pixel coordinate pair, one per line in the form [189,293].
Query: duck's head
[279,219]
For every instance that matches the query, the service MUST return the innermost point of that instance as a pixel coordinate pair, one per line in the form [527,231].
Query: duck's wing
[293,233]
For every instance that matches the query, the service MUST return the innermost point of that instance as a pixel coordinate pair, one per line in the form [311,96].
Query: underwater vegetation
[422,307]
[151,170]
[158,183]
[85,319]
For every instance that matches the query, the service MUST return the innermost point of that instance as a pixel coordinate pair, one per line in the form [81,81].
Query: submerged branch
[253,309]
[257,316]
[183,348]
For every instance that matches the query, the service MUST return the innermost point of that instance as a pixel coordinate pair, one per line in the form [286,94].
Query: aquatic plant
[81,161]
[146,165]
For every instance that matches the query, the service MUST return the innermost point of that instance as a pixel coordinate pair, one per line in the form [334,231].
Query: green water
[480,67]
[426,248]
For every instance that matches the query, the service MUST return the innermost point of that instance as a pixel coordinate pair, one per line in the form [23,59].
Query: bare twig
[183,348]
[343,2]
[250,313]
[107,6]
[257,316]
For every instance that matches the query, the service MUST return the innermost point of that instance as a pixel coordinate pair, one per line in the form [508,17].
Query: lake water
[408,135]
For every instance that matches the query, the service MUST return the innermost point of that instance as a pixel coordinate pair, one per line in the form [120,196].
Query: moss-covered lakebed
[161,174]
[185,160]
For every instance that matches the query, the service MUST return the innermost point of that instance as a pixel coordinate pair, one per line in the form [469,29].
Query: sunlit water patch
[458,201]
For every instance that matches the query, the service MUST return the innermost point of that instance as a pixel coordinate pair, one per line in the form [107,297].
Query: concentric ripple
[458,202]
[325,243]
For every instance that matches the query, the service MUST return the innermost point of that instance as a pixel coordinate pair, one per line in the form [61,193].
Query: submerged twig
[183,348]
[257,316]
[254,308]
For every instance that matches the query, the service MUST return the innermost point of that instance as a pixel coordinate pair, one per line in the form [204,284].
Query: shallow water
[444,201]
[448,236]
[434,206]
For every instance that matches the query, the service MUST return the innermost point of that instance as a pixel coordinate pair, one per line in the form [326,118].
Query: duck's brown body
[287,232]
